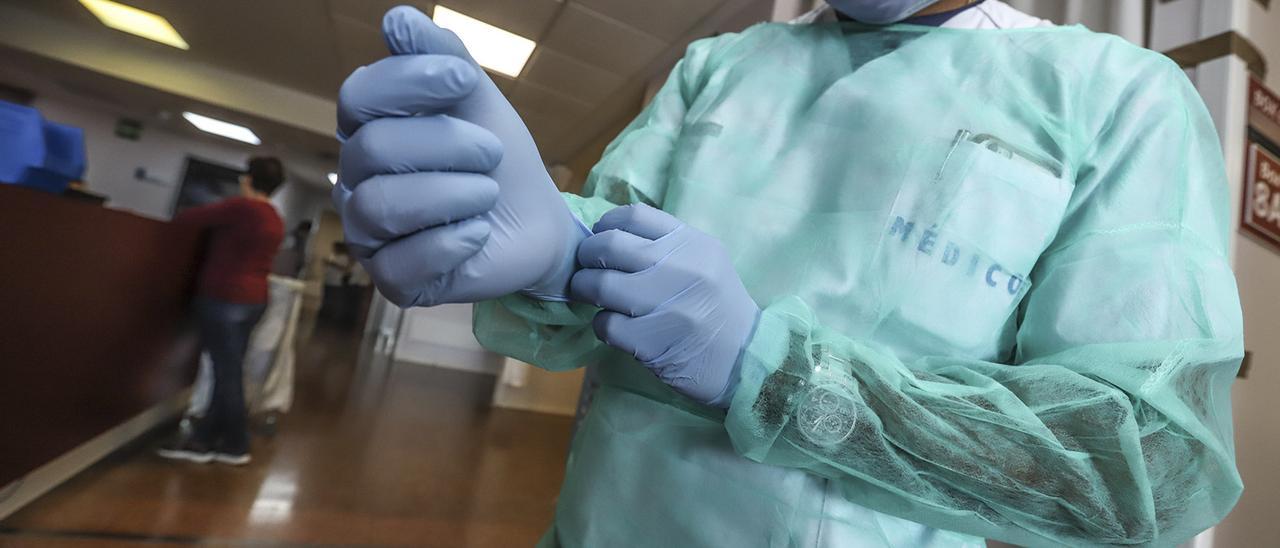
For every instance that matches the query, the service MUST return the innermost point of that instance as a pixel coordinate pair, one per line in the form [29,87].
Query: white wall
[298,201]
[441,336]
[112,162]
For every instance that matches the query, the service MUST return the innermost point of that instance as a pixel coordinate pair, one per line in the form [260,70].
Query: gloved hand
[671,298]
[443,195]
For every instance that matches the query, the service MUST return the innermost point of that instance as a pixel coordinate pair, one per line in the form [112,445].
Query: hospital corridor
[370,454]
[639,273]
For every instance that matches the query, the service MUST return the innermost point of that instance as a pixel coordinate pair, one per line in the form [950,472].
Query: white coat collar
[990,14]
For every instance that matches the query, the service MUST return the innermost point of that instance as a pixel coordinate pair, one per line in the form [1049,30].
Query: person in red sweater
[245,233]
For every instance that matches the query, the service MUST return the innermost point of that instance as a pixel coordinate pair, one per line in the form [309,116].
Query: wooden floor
[371,455]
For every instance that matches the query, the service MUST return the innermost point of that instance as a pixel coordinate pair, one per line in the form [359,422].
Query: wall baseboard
[30,487]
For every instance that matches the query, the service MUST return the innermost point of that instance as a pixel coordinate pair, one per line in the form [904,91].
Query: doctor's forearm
[1038,454]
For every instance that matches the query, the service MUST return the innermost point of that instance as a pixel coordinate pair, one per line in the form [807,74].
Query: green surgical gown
[995,290]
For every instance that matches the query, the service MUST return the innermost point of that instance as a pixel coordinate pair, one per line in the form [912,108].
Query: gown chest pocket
[1004,202]
[959,246]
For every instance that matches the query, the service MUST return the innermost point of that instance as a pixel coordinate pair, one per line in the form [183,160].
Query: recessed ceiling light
[135,21]
[225,129]
[333,178]
[495,49]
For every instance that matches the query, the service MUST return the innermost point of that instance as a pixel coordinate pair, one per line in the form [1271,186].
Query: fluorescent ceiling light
[225,129]
[492,47]
[135,21]
[333,178]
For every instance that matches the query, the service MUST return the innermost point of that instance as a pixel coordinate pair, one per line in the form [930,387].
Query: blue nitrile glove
[443,195]
[671,298]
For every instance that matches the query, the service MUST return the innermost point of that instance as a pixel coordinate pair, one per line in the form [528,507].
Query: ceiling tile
[590,52]
[547,129]
[601,41]
[357,44]
[528,18]
[667,19]
[555,70]
[265,40]
[505,83]
[530,97]
[370,12]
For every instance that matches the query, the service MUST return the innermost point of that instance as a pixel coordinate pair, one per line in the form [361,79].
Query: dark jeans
[225,328]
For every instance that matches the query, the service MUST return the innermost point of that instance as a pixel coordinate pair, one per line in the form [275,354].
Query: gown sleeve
[634,168]
[1113,423]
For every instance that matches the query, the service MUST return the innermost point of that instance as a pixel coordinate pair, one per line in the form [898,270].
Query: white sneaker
[187,451]
[232,459]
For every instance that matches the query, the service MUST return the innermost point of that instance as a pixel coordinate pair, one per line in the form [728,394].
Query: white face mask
[879,12]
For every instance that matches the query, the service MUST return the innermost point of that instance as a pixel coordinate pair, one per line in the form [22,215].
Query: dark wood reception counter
[94,323]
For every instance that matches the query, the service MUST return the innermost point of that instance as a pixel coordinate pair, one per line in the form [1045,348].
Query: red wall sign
[1264,108]
[1262,195]
[1261,216]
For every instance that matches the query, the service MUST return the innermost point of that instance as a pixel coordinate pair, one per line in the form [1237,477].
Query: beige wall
[327,231]
[523,386]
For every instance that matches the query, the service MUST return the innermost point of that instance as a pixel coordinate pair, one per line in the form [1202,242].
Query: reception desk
[95,329]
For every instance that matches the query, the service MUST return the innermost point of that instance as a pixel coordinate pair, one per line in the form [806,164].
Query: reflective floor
[370,455]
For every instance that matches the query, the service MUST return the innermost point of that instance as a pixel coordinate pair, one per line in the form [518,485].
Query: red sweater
[244,236]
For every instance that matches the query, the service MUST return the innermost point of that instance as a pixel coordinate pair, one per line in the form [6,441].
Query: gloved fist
[442,192]
[671,298]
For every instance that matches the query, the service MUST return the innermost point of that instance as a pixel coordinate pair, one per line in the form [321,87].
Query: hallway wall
[441,336]
[112,160]
[162,152]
